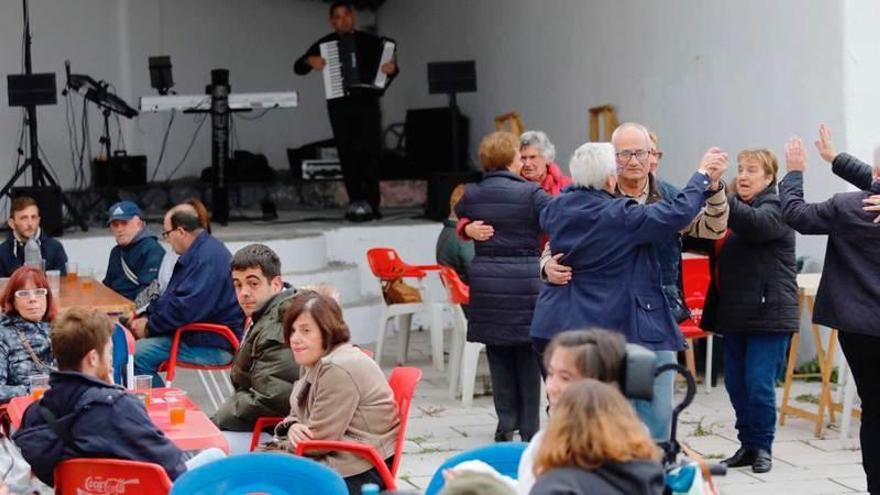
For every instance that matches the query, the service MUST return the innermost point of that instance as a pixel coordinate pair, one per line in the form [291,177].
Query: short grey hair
[539,140]
[592,164]
[632,125]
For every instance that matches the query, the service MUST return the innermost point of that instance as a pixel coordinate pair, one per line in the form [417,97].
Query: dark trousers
[540,345]
[516,388]
[862,353]
[750,364]
[354,483]
[357,129]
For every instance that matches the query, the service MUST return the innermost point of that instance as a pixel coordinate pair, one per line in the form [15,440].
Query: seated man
[83,414]
[263,371]
[200,290]
[134,261]
[24,224]
[452,250]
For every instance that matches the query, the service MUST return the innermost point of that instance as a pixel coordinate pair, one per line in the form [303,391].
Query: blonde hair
[455,196]
[497,150]
[766,158]
[593,424]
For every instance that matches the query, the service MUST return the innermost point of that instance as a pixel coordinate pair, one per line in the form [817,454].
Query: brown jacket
[345,396]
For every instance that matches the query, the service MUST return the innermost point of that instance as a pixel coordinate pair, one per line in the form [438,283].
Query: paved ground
[440,427]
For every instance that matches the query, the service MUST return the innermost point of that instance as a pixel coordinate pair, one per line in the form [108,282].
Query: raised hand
[714,163]
[824,144]
[795,155]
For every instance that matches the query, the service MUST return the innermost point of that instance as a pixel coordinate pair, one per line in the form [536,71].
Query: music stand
[452,78]
[160,74]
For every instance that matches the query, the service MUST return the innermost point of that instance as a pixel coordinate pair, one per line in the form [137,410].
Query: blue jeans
[657,414]
[151,352]
[750,364]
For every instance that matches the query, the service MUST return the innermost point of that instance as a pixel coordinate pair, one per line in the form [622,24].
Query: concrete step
[343,276]
[362,317]
[303,253]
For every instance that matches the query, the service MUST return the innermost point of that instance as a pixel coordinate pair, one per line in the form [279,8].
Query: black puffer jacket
[754,276]
[503,275]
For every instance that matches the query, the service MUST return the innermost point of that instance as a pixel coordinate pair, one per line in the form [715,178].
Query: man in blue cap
[134,261]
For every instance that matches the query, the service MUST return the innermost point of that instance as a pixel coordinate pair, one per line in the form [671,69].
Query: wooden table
[808,284]
[89,293]
[196,433]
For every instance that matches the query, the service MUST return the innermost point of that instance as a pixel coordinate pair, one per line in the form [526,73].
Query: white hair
[632,125]
[539,140]
[592,164]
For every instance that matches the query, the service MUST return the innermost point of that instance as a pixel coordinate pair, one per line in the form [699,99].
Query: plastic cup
[40,265]
[176,400]
[54,277]
[143,385]
[88,280]
[72,271]
[39,384]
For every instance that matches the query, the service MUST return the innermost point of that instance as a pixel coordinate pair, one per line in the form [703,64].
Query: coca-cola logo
[99,485]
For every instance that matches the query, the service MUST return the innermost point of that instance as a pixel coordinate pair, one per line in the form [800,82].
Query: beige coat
[345,396]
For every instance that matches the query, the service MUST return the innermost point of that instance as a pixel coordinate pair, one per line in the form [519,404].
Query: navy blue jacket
[856,172]
[850,285]
[610,245]
[142,257]
[200,290]
[503,275]
[102,421]
[754,276]
[12,254]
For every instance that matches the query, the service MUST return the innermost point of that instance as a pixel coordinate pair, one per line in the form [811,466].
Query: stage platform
[315,245]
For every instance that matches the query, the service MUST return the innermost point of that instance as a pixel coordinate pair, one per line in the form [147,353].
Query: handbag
[399,292]
[16,471]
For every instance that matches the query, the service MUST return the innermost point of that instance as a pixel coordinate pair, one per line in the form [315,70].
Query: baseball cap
[123,210]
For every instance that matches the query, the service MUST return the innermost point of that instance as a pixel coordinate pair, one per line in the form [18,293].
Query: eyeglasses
[626,155]
[657,154]
[23,293]
[165,234]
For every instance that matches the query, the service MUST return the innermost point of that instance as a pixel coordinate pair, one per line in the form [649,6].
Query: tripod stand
[39,175]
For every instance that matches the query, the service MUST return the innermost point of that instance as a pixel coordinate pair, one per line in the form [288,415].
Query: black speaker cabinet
[49,201]
[429,139]
[440,186]
[120,171]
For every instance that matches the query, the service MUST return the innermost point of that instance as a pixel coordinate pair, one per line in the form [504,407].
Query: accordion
[342,72]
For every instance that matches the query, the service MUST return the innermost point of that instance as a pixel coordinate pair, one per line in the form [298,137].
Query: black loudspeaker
[440,186]
[429,139]
[49,201]
[120,171]
[452,77]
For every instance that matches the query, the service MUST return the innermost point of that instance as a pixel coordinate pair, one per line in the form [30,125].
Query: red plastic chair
[695,276]
[170,366]
[386,265]
[78,476]
[403,381]
[691,331]
[464,356]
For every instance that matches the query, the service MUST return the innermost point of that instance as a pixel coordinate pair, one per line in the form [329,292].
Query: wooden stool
[609,118]
[510,121]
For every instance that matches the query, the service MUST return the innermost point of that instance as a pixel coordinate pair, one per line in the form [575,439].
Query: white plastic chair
[464,356]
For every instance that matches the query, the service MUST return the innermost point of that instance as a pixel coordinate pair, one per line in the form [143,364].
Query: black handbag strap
[62,433]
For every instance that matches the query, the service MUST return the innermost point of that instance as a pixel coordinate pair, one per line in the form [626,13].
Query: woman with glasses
[25,350]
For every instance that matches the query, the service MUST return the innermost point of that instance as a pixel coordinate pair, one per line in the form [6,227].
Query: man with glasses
[200,290]
[135,259]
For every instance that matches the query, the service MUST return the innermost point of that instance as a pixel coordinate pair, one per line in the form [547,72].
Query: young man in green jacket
[263,371]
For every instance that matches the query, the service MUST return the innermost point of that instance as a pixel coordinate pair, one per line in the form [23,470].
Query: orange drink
[37,393]
[176,400]
[177,414]
[88,283]
[72,271]
[39,384]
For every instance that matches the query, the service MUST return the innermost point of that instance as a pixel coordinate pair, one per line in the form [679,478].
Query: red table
[197,433]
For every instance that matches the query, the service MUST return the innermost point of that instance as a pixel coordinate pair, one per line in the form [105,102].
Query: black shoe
[742,457]
[503,436]
[763,462]
[359,211]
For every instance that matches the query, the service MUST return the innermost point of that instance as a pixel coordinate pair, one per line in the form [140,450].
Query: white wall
[733,74]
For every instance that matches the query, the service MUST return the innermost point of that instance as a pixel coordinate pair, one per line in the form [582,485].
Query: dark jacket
[754,275]
[12,254]
[856,172]
[453,251]
[263,371]
[200,290]
[503,275]
[368,51]
[16,362]
[612,478]
[141,258]
[849,290]
[610,245]
[100,420]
